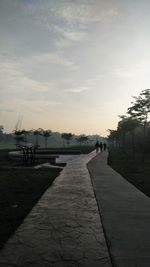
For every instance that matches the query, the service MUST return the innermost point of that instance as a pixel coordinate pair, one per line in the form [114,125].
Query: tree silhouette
[140,109]
[1,128]
[67,137]
[36,134]
[82,139]
[25,134]
[46,134]
[1,132]
[127,125]
[113,137]
[19,136]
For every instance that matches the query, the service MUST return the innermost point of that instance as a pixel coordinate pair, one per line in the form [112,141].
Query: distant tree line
[45,138]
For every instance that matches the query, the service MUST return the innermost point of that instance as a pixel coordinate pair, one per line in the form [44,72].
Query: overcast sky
[72,66]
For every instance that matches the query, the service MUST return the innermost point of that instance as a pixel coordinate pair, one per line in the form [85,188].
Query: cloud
[83,13]
[23,93]
[95,79]
[62,42]
[68,36]
[67,21]
[77,18]
[75,35]
[25,106]
[79,89]
[70,12]
[61,23]
[53,58]
[22,76]
[8,110]
[14,81]
[133,71]
[52,49]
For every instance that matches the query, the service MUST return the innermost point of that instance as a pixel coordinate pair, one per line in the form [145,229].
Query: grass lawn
[4,158]
[19,192]
[84,149]
[21,189]
[132,168]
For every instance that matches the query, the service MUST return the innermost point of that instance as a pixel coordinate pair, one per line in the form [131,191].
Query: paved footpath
[64,227]
[125,214]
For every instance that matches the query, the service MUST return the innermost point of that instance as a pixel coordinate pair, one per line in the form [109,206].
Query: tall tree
[127,125]
[140,110]
[113,137]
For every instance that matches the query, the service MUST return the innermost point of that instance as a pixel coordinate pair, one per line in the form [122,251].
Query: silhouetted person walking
[105,146]
[101,146]
[97,146]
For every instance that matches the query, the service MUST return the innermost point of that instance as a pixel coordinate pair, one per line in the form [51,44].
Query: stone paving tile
[64,228]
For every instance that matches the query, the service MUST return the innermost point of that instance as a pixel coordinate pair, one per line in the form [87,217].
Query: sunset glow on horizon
[72,66]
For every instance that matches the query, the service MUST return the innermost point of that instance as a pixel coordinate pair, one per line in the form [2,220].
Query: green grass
[132,168]
[19,191]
